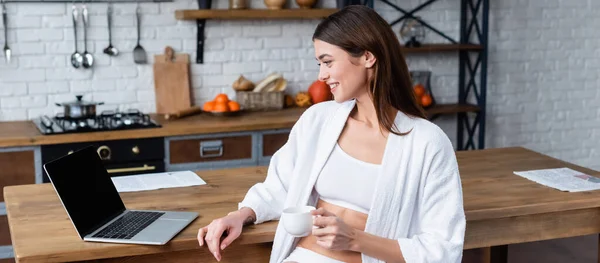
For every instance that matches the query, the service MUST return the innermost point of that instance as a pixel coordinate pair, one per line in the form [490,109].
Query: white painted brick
[222,30]
[170,8]
[298,29]
[33,101]
[219,80]
[259,55]
[166,19]
[10,102]
[31,9]
[23,22]
[12,89]
[282,42]
[308,64]
[222,56]
[145,95]
[81,86]
[45,34]
[104,85]
[203,69]
[129,33]
[241,67]
[189,45]
[277,66]
[124,21]
[261,30]
[28,49]
[22,75]
[115,98]
[26,62]
[242,43]
[68,73]
[125,58]
[159,45]
[178,32]
[115,72]
[13,114]
[64,49]
[61,21]
[48,87]
[33,113]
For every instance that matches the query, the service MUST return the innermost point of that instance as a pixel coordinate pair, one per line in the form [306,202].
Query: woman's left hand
[332,233]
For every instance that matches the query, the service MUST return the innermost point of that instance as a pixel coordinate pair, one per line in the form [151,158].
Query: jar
[238,4]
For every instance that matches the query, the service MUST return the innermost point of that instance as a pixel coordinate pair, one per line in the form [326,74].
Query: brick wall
[542,82]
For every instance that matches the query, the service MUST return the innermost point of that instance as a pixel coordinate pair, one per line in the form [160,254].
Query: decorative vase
[306,4]
[275,4]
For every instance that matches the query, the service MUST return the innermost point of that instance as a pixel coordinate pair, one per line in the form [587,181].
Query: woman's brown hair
[358,28]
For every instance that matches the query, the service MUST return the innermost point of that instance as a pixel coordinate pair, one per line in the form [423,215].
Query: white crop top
[348,182]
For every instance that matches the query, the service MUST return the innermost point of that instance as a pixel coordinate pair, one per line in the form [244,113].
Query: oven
[120,157]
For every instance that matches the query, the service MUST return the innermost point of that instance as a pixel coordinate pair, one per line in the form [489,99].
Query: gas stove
[106,121]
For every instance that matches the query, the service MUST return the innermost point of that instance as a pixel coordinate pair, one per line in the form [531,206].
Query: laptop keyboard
[128,225]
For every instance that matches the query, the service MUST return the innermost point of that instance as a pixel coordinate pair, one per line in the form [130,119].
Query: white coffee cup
[298,221]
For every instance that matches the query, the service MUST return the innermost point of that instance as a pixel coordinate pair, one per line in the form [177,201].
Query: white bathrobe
[418,196]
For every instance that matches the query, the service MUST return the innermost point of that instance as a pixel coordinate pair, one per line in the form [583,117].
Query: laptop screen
[85,189]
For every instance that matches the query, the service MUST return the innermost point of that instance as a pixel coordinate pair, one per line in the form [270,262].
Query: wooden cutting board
[172,82]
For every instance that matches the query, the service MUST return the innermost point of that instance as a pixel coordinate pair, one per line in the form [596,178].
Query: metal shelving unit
[470,110]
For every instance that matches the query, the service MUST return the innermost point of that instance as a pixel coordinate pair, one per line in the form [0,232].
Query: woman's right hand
[230,226]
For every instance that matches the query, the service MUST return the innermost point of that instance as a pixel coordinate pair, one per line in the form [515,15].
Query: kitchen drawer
[18,167]
[4,232]
[271,142]
[211,149]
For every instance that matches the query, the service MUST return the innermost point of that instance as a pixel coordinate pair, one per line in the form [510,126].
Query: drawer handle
[211,146]
[132,169]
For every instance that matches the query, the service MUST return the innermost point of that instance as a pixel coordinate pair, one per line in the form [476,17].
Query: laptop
[95,208]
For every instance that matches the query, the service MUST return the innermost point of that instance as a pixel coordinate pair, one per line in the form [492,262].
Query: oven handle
[132,169]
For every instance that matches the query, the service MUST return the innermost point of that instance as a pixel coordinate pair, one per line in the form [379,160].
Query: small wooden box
[249,100]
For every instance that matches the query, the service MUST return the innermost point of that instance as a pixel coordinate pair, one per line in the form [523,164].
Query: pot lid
[80,102]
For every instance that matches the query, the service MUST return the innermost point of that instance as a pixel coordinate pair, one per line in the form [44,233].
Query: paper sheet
[564,179]
[152,181]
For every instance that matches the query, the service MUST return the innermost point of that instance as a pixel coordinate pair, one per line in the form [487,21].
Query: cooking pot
[79,109]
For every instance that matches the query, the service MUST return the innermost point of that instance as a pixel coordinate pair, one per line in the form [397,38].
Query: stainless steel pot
[79,109]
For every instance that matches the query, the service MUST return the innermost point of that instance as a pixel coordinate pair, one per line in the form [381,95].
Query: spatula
[139,54]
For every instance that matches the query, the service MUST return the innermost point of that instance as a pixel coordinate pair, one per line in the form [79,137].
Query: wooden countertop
[42,232]
[25,133]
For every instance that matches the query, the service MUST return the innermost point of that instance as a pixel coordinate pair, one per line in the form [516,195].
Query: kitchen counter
[501,209]
[25,133]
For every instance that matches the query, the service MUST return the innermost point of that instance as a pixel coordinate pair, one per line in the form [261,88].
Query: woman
[384,179]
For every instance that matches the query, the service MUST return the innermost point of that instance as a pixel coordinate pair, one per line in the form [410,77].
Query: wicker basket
[250,100]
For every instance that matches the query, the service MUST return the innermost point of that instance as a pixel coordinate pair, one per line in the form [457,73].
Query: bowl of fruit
[222,106]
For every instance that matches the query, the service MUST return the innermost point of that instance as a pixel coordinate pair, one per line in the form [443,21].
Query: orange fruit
[208,106]
[233,105]
[221,106]
[221,97]
[419,90]
[426,100]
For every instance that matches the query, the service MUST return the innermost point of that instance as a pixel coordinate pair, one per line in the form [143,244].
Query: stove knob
[104,152]
[135,150]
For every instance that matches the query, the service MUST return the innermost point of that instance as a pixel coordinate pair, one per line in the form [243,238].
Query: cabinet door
[18,167]
[271,142]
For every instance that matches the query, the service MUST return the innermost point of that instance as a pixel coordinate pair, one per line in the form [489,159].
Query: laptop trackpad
[161,230]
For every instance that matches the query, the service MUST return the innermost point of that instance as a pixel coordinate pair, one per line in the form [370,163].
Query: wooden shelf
[451,108]
[296,13]
[441,48]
